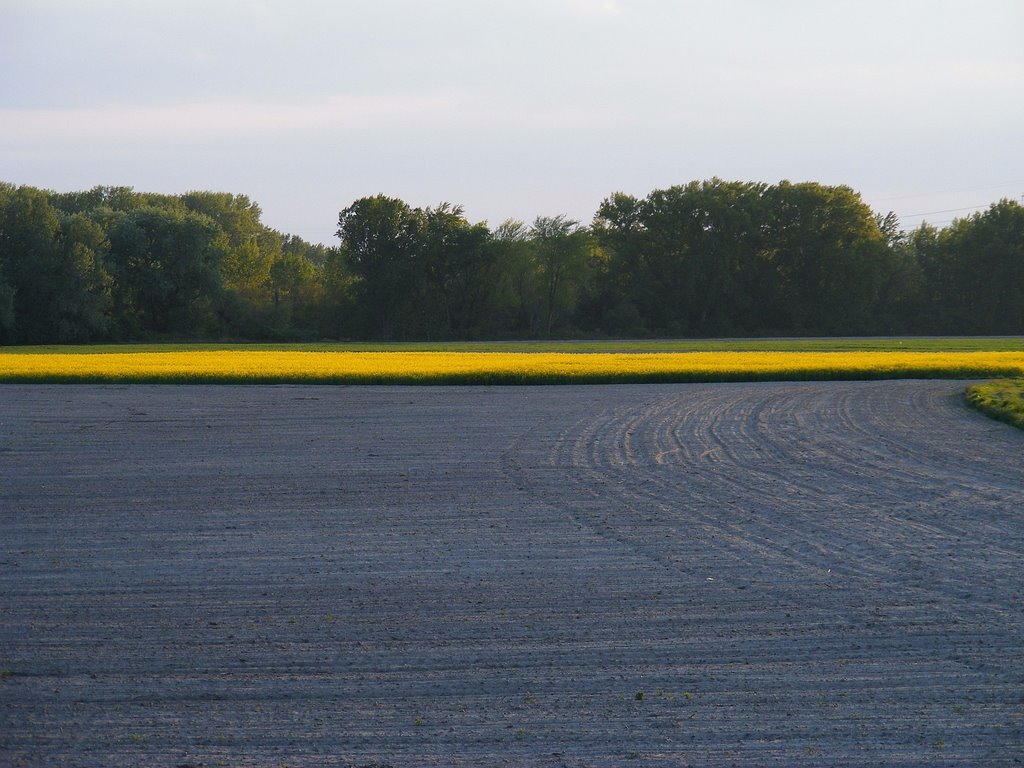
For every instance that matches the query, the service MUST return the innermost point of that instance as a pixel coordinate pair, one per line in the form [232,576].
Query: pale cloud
[225,119]
[453,110]
[512,107]
[597,7]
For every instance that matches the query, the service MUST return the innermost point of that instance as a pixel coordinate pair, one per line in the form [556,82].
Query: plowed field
[728,574]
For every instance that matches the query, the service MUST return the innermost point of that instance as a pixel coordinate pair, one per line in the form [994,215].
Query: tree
[459,269]
[974,270]
[29,251]
[82,295]
[379,236]
[620,229]
[251,250]
[828,258]
[167,264]
[54,286]
[900,308]
[298,291]
[6,310]
[516,289]
[685,259]
[561,251]
[721,232]
[6,289]
[112,198]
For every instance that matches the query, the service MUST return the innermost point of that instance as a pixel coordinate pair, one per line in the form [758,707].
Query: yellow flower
[260,366]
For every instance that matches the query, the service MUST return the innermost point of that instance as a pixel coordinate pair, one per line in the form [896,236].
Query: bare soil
[738,574]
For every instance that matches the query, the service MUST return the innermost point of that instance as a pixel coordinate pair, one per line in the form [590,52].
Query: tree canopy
[707,258]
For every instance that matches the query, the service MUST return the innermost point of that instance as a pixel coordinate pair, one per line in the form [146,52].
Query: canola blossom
[348,367]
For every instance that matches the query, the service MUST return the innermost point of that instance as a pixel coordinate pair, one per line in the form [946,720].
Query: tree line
[709,258]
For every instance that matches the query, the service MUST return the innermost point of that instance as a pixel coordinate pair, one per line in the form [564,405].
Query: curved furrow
[905,449]
[736,574]
[624,486]
[887,481]
[686,480]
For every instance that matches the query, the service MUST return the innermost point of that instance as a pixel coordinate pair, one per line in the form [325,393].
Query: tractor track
[732,574]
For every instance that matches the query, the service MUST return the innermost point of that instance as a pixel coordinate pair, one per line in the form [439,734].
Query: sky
[514,108]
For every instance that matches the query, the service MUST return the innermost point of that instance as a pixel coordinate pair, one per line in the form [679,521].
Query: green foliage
[167,262]
[53,285]
[561,255]
[459,270]
[6,311]
[972,272]
[379,237]
[82,298]
[828,256]
[113,264]
[722,257]
[858,344]
[250,249]
[711,258]
[1001,399]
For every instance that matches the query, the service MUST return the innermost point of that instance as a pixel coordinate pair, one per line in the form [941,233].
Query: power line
[947,210]
[953,191]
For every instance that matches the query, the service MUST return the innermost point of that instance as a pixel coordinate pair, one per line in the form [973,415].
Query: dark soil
[745,574]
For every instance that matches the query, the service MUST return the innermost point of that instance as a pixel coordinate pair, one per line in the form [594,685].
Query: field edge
[1000,399]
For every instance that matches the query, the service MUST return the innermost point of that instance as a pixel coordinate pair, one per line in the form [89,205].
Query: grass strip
[250,366]
[1001,399]
[853,344]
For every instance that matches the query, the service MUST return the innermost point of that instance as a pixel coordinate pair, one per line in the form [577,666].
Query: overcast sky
[513,108]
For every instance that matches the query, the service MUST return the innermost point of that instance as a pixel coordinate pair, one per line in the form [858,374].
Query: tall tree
[459,269]
[168,263]
[82,295]
[252,248]
[517,291]
[54,286]
[974,270]
[379,236]
[620,228]
[828,258]
[686,256]
[561,251]
[7,313]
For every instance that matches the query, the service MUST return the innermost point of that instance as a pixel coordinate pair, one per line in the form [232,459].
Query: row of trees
[114,264]
[705,259]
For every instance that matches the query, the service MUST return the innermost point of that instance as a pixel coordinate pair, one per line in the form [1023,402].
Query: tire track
[892,483]
[767,574]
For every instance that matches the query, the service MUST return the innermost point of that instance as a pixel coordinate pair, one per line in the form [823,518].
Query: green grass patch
[843,344]
[1002,399]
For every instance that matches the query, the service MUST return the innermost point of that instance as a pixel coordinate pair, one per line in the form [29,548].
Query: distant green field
[863,344]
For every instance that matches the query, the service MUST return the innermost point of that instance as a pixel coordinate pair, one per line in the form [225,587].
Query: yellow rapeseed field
[262,366]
